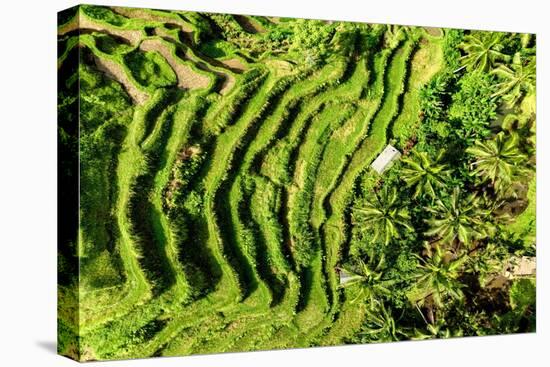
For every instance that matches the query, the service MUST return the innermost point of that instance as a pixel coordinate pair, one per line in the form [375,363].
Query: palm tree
[370,281]
[380,326]
[497,160]
[437,279]
[439,330]
[458,218]
[425,174]
[486,262]
[517,79]
[515,121]
[384,215]
[483,50]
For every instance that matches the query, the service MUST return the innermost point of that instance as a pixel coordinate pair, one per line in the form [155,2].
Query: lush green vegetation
[226,199]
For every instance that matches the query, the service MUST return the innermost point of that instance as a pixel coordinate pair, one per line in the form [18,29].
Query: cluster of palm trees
[435,281]
[484,51]
[425,175]
[458,218]
[456,221]
[459,212]
[383,215]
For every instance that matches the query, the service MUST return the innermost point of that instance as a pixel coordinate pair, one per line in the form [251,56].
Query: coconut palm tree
[497,160]
[384,215]
[439,330]
[483,50]
[425,174]
[437,279]
[517,79]
[380,326]
[369,280]
[458,218]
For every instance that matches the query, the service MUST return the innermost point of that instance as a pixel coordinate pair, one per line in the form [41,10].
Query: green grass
[425,62]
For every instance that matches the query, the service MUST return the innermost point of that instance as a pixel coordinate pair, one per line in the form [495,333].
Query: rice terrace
[240,183]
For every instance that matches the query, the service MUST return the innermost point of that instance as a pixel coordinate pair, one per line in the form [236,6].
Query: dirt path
[228,83]
[249,25]
[115,71]
[235,65]
[142,14]
[187,78]
[83,22]
[208,65]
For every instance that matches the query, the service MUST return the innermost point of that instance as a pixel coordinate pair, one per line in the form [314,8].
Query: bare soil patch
[249,25]
[434,31]
[116,72]
[141,14]
[234,64]
[205,64]
[228,83]
[187,78]
[131,36]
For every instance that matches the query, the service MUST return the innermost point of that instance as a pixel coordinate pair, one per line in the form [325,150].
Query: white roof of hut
[385,159]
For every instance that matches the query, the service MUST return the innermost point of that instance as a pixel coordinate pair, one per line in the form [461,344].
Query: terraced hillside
[220,161]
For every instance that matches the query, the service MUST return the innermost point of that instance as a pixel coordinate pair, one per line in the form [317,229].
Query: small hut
[385,159]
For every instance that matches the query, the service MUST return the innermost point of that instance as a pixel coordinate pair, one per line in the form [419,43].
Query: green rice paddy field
[221,160]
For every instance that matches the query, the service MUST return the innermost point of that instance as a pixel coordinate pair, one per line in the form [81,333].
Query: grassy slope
[425,63]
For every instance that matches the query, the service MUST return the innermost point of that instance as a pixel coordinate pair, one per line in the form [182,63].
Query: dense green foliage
[226,202]
[469,178]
